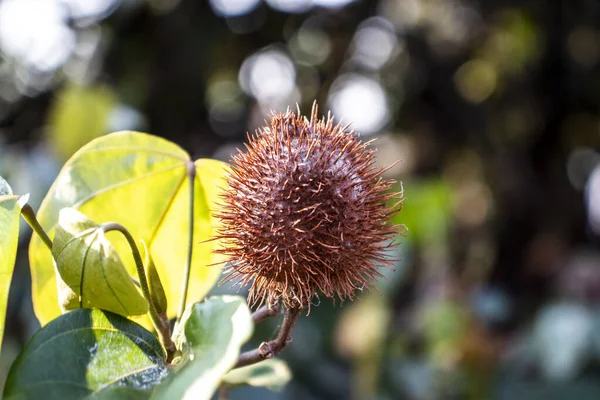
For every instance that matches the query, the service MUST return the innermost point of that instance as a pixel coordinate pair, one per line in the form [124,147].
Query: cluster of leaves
[97,340]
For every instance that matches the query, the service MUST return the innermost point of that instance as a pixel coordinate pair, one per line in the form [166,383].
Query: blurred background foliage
[492,106]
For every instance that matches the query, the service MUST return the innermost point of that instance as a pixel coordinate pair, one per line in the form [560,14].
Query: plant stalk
[265,312]
[29,217]
[191,173]
[163,329]
[270,349]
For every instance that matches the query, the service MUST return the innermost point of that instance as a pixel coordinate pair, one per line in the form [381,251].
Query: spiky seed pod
[306,212]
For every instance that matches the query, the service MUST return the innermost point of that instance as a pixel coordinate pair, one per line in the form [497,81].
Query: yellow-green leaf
[9,237]
[139,181]
[90,272]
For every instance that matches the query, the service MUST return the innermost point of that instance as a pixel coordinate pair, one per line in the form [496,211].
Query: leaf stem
[29,217]
[270,349]
[191,173]
[163,329]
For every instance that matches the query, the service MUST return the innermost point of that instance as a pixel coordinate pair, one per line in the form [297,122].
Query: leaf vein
[123,183]
[137,149]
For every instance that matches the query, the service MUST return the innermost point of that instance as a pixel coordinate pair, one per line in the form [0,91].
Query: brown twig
[265,312]
[270,349]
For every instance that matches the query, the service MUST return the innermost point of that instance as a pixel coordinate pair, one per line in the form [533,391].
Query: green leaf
[10,212]
[87,353]
[272,374]
[139,181]
[90,272]
[212,335]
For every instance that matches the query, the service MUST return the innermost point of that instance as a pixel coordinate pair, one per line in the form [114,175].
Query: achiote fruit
[306,212]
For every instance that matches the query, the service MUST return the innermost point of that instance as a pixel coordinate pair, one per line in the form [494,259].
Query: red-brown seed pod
[306,212]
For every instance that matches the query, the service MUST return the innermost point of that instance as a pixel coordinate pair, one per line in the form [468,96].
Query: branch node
[271,349]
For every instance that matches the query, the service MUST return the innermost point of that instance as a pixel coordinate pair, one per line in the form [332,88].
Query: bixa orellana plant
[133,233]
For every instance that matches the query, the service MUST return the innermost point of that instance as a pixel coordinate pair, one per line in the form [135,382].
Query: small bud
[90,272]
[306,212]
[157,292]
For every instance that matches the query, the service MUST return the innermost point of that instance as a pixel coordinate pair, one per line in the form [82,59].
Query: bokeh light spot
[404,14]
[233,8]
[593,200]
[361,100]
[374,43]
[268,76]
[332,3]
[476,80]
[93,9]
[35,33]
[580,164]
[290,6]
[310,46]
[583,46]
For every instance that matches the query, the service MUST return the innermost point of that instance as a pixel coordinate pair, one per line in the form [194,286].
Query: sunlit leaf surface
[87,354]
[139,181]
[10,212]
[91,273]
